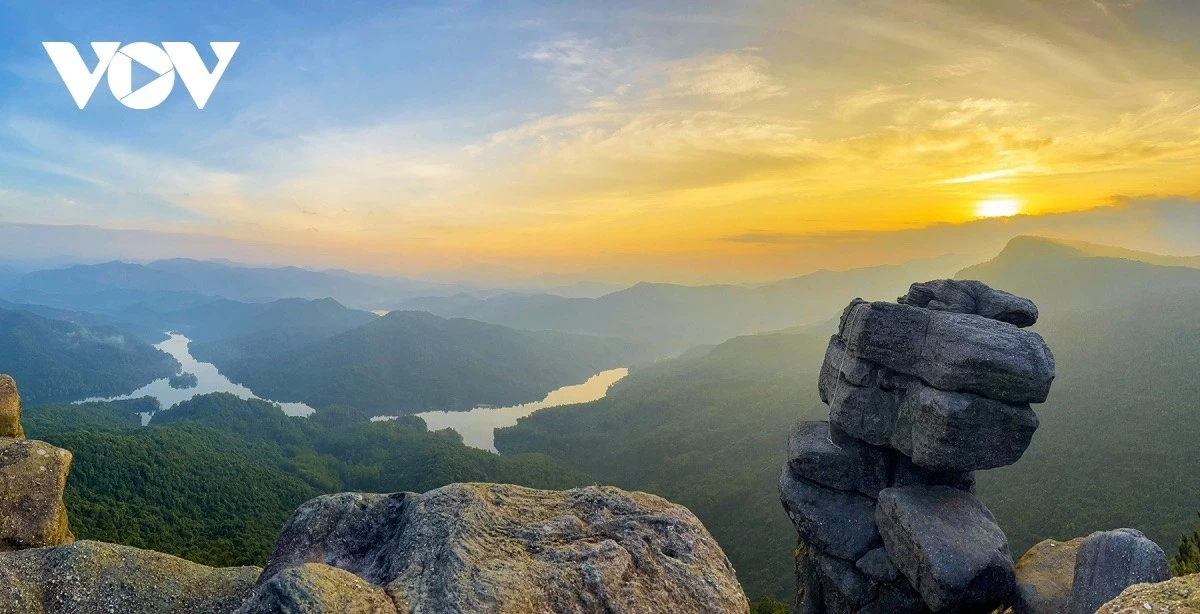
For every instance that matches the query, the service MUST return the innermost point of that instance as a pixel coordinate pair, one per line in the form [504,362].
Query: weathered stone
[809,599]
[897,597]
[878,566]
[960,431]
[866,413]
[356,532]
[839,364]
[844,588]
[10,409]
[834,522]
[947,544]
[91,576]
[1045,575]
[846,465]
[1111,561]
[33,475]
[1175,596]
[501,548]
[313,588]
[951,351]
[905,473]
[971,296]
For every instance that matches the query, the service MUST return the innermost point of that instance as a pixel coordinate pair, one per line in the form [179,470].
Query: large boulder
[947,544]
[847,464]
[951,351]
[960,431]
[313,588]
[91,576]
[1045,575]
[501,548]
[33,475]
[970,296]
[1175,596]
[1109,562]
[10,409]
[834,522]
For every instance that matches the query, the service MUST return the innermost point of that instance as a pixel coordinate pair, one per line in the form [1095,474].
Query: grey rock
[834,522]
[948,546]
[1109,562]
[839,364]
[1045,575]
[951,351]
[869,413]
[809,599]
[313,588]
[847,464]
[502,548]
[844,587]
[89,576]
[971,296]
[905,473]
[960,431]
[878,566]
[356,532]
[896,598]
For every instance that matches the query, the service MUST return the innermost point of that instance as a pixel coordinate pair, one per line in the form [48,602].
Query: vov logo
[117,62]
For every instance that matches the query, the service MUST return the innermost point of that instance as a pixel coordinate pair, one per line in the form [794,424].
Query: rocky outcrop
[33,475]
[1111,561]
[91,576]
[500,548]
[313,588]
[1175,596]
[1045,576]
[10,409]
[921,393]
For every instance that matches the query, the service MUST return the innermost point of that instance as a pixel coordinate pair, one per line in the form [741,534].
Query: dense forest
[59,360]
[213,479]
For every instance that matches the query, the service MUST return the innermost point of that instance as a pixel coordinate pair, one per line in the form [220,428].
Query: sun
[998,207]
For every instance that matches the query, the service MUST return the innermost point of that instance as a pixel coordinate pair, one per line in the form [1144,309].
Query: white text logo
[118,61]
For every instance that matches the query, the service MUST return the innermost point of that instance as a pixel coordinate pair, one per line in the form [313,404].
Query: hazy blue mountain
[1059,276]
[412,361]
[228,331]
[673,318]
[59,360]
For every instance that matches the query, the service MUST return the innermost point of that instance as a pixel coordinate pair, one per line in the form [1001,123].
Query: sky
[684,140]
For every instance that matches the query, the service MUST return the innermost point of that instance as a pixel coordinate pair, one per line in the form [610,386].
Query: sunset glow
[998,207]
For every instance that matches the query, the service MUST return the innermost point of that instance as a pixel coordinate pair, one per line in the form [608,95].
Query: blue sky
[687,135]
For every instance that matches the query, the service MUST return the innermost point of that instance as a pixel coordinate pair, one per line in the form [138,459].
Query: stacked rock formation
[921,393]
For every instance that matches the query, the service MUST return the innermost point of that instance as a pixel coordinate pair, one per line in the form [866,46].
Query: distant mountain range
[673,318]
[408,362]
[57,360]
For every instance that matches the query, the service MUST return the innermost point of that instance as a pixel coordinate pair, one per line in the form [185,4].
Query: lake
[478,426]
[208,380]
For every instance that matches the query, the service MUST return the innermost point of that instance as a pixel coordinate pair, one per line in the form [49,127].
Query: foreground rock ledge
[502,548]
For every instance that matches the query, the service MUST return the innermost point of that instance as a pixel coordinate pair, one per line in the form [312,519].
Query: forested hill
[708,431]
[408,362]
[58,360]
[214,478]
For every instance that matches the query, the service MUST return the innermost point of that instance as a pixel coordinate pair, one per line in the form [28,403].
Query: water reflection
[208,380]
[478,425]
